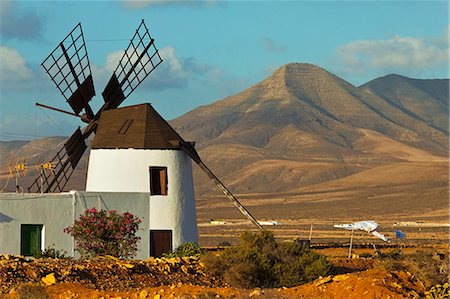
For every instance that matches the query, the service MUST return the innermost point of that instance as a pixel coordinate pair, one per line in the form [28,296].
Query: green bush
[395,253]
[185,249]
[260,261]
[438,292]
[32,291]
[224,244]
[51,252]
[429,266]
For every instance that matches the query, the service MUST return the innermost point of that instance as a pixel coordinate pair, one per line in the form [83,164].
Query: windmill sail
[68,67]
[65,161]
[138,61]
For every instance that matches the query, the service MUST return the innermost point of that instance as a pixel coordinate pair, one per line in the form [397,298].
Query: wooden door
[160,242]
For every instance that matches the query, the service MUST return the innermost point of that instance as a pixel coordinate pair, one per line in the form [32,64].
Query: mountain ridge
[304,126]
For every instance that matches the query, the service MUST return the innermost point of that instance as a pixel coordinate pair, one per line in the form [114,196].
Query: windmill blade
[189,149]
[65,161]
[138,61]
[68,67]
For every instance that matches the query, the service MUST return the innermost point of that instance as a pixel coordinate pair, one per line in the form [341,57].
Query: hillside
[424,100]
[304,127]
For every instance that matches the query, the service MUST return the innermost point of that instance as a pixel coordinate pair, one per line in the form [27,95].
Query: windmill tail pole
[56,109]
[230,196]
[189,149]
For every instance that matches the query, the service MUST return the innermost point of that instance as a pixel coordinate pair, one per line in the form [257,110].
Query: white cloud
[271,46]
[138,4]
[13,67]
[173,72]
[176,73]
[395,54]
[19,23]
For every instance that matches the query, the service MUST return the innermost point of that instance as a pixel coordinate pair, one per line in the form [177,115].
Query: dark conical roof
[138,126]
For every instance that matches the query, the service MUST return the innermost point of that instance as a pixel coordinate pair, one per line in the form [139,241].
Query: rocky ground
[109,277]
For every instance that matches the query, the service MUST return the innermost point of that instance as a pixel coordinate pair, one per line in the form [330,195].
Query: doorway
[160,242]
[30,239]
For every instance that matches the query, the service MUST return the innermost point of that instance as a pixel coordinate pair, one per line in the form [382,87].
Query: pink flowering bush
[105,233]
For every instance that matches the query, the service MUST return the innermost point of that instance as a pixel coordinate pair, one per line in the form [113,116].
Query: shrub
[224,244]
[395,253]
[429,266]
[105,233]
[32,291]
[438,292]
[260,261]
[51,252]
[186,249]
[299,260]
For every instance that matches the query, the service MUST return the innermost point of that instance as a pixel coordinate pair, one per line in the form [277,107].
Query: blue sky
[211,49]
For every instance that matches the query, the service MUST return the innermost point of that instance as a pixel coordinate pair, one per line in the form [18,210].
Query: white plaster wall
[134,203]
[53,211]
[57,211]
[127,170]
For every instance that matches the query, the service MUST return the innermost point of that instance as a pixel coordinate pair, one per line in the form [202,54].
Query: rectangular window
[160,242]
[158,180]
[30,239]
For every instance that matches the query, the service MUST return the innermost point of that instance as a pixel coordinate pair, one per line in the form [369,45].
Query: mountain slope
[303,113]
[304,126]
[313,101]
[422,99]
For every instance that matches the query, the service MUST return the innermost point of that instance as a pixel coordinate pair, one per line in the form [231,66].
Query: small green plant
[260,261]
[51,252]
[186,249]
[105,233]
[395,253]
[32,291]
[438,292]
[429,266]
[224,244]
[366,255]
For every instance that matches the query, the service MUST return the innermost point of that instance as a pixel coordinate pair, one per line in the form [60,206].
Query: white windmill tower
[134,148]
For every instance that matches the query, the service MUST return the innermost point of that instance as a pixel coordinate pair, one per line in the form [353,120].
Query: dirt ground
[108,277]
[374,283]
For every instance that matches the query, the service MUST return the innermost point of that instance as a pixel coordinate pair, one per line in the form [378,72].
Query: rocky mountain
[424,100]
[304,126]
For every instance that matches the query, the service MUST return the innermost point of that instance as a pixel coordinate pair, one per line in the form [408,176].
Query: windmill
[68,67]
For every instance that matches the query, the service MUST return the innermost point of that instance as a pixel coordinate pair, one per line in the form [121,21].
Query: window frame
[158,180]
[27,229]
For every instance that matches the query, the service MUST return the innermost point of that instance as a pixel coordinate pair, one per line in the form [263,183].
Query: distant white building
[135,165]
